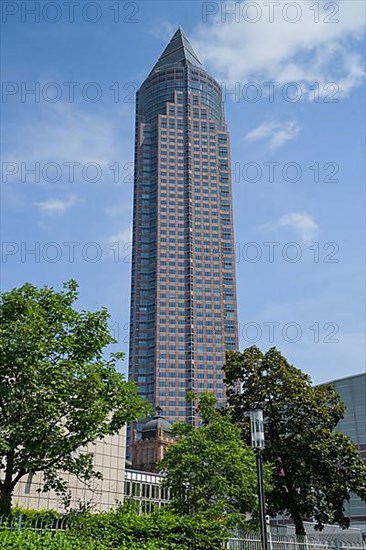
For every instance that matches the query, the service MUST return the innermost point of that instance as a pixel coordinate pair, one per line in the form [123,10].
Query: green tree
[209,468]
[57,390]
[316,467]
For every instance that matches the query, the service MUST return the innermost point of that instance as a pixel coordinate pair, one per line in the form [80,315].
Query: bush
[29,514]
[122,529]
[33,540]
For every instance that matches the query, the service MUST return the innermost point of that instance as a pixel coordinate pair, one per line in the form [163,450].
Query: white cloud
[58,206]
[64,132]
[119,245]
[302,223]
[277,133]
[120,208]
[164,30]
[280,51]
[124,236]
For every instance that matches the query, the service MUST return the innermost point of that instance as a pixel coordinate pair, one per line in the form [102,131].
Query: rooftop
[350,377]
[155,423]
[178,51]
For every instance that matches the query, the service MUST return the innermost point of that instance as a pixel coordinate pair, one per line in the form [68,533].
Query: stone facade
[149,449]
[109,459]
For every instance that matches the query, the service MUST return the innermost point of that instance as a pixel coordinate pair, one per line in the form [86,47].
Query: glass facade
[183,299]
[352,391]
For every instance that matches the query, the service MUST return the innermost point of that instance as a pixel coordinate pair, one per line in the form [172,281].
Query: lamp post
[257,432]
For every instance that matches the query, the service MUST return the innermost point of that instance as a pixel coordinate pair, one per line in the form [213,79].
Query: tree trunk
[6,493]
[299,526]
[292,504]
[6,486]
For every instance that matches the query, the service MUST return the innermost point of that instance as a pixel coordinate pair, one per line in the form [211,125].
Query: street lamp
[257,432]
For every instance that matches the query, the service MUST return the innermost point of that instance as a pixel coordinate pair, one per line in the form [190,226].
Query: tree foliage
[316,467]
[209,467]
[57,390]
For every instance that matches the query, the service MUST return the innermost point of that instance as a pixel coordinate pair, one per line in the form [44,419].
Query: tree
[209,468]
[57,390]
[316,467]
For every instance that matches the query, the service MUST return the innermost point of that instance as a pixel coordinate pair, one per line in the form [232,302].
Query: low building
[145,488]
[149,448]
[109,460]
[119,482]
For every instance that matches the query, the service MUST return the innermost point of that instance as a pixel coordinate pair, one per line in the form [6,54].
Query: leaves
[57,390]
[315,467]
[210,468]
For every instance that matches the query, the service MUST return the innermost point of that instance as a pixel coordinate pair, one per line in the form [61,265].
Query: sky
[293,81]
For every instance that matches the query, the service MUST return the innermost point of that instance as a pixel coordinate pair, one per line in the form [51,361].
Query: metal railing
[240,540]
[252,541]
[20,523]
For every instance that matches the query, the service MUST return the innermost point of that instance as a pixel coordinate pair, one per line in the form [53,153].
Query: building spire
[179,51]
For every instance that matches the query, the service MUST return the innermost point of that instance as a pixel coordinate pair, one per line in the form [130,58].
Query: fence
[239,540]
[20,523]
[252,541]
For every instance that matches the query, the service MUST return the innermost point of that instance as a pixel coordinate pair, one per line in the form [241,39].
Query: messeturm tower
[183,298]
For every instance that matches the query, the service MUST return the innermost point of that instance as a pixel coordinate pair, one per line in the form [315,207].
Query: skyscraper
[183,298]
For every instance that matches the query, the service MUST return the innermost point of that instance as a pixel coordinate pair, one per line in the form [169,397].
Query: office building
[101,494]
[183,298]
[352,391]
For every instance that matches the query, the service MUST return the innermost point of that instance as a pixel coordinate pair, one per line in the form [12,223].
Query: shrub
[163,528]
[33,540]
[122,529]
[30,514]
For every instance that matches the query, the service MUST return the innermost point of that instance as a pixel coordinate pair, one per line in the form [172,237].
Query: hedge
[121,529]
[164,528]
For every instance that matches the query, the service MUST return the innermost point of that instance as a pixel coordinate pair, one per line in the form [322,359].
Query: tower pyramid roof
[178,51]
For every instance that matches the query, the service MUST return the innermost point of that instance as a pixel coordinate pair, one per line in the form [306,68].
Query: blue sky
[298,163]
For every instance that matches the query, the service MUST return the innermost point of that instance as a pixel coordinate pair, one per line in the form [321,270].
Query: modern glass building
[183,299]
[352,391]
